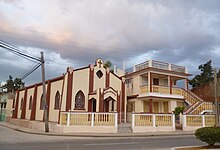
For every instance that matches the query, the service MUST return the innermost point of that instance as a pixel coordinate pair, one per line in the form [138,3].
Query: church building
[89,89]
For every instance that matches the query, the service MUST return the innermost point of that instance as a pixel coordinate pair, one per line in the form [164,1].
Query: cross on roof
[100,63]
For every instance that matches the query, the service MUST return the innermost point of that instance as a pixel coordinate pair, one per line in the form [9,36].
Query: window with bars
[80,100]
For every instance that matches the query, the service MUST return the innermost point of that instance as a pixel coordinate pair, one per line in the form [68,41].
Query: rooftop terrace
[158,65]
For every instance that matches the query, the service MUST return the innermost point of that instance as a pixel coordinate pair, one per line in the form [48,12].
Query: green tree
[108,64]
[205,76]
[13,85]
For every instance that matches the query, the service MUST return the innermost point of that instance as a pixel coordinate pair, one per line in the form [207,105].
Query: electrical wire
[16,50]
[31,71]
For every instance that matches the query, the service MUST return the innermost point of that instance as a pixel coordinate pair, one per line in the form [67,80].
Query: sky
[75,33]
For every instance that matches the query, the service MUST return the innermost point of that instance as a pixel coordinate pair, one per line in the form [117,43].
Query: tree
[205,76]
[13,85]
[108,64]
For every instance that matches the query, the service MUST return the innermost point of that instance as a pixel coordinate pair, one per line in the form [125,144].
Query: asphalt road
[14,140]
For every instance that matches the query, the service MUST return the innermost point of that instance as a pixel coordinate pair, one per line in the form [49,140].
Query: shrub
[210,135]
[178,110]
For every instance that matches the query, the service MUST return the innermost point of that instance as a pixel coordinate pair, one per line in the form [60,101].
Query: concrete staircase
[124,128]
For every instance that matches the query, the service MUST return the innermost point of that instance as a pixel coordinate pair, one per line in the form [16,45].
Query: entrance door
[94,105]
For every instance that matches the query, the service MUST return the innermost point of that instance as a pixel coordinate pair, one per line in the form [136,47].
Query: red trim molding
[33,110]
[15,114]
[100,101]
[107,81]
[69,90]
[91,79]
[171,84]
[23,112]
[151,82]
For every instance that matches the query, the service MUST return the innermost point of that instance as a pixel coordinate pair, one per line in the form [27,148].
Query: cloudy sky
[75,33]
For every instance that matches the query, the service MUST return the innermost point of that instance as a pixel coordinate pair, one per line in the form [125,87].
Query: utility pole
[44,93]
[216,99]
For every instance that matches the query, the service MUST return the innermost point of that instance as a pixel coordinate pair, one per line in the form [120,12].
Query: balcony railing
[161,89]
[158,65]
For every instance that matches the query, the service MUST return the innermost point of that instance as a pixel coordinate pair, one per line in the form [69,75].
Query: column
[186,84]
[150,87]
[170,84]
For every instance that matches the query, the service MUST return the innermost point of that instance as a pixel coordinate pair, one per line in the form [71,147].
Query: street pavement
[13,140]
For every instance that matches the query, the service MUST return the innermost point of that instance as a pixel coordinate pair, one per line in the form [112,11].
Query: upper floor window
[144,81]
[129,83]
[57,100]
[80,100]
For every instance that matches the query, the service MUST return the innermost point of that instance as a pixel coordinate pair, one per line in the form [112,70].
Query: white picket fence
[153,122]
[193,122]
[88,119]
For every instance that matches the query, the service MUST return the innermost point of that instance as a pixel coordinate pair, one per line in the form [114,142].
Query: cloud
[77,32]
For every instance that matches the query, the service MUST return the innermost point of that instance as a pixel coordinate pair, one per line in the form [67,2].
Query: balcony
[161,91]
[158,65]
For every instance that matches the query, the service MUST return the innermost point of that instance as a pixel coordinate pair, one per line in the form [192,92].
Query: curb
[92,135]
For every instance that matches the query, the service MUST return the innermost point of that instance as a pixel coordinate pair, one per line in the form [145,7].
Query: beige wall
[54,113]
[21,95]
[81,82]
[99,82]
[115,82]
[30,92]
[39,113]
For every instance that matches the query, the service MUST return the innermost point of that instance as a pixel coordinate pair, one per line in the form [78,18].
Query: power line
[31,71]
[16,50]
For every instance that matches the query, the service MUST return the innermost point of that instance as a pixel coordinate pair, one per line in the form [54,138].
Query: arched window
[21,104]
[30,103]
[57,100]
[41,102]
[80,100]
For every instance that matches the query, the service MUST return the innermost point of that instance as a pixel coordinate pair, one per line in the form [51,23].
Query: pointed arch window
[41,102]
[57,100]
[80,100]
[30,103]
[21,106]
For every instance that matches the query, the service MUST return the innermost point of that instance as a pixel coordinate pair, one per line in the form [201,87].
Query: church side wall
[30,92]
[54,113]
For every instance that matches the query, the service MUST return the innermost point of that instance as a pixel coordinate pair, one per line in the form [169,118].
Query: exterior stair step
[124,128]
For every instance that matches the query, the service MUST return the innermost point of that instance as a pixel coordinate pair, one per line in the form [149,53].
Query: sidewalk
[34,131]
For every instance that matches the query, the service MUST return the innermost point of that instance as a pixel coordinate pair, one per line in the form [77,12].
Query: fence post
[92,122]
[173,116]
[68,119]
[203,120]
[154,121]
[133,119]
[116,120]
[184,120]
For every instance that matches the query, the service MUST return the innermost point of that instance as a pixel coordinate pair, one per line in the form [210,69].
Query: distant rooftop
[158,65]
